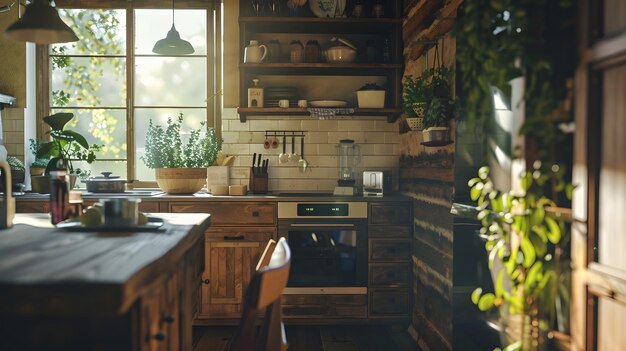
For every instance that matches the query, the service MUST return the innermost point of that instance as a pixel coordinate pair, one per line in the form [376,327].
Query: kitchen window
[114,84]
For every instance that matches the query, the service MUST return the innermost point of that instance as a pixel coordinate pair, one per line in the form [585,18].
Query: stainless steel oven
[328,242]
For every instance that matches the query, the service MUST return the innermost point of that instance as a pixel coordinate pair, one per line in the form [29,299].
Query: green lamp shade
[41,24]
[172,44]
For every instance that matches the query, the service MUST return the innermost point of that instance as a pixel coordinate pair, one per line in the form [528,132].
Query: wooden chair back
[263,293]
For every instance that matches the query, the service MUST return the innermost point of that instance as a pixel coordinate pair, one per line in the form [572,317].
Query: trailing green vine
[500,40]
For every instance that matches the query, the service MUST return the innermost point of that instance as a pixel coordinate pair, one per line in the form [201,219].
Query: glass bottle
[296,51]
[273,51]
[59,195]
[386,51]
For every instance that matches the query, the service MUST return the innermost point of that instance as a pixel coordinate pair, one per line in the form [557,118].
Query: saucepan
[106,184]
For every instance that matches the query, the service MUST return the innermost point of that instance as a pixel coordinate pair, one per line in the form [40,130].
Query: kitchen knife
[259,164]
[253,162]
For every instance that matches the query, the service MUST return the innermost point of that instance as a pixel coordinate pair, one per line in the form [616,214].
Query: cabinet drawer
[32,207]
[149,206]
[389,250]
[389,274]
[403,232]
[239,234]
[389,302]
[390,213]
[235,214]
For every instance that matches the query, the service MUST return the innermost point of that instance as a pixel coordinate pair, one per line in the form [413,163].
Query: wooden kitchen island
[100,290]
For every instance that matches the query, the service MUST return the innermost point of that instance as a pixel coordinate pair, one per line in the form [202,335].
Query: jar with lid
[312,52]
[296,51]
[273,51]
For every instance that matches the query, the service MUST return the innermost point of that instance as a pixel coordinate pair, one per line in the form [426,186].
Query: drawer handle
[234,238]
[206,281]
[255,213]
[169,319]
[160,336]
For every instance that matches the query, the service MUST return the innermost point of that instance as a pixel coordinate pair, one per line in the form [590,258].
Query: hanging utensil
[293,157]
[284,157]
[302,163]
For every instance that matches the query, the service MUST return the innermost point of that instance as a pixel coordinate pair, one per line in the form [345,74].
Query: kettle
[7,205]
[254,53]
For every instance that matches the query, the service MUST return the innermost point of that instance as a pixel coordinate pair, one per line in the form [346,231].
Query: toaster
[375,183]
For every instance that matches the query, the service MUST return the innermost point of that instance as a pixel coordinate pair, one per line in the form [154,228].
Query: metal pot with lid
[106,184]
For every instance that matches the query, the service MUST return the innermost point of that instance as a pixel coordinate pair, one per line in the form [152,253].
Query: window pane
[100,32]
[191,120]
[153,25]
[102,127]
[170,81]
[88,81]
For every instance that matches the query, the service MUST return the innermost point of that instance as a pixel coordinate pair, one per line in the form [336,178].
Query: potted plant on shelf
[415,95]
[38,167]
[524,236]
[65,146]
[441,107]
[17,174]
[180,168]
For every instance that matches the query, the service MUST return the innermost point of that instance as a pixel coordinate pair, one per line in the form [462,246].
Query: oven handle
[321,225]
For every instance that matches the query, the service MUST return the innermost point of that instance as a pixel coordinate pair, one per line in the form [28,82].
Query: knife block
[258,181]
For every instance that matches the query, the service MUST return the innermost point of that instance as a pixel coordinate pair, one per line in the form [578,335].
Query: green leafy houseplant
[66,145]
[430,94]
[40,162]
[523,236]
[166,149]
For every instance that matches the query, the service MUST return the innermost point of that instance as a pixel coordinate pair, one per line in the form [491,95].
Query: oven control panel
[322,210]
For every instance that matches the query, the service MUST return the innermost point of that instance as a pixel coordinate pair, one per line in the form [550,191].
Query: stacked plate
[273,95]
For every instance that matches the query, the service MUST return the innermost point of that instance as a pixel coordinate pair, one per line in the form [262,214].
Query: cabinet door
[231,258]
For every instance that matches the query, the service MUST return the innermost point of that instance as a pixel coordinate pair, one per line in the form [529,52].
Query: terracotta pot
[37,171]
[40,184]
[180,180]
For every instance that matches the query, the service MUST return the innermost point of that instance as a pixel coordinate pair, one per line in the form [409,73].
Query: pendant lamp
[40,24]
[172,44]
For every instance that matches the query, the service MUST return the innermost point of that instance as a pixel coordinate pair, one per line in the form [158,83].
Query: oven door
[327,256]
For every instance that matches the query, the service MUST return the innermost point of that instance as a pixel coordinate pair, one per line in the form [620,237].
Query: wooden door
[231,258]
[599,204]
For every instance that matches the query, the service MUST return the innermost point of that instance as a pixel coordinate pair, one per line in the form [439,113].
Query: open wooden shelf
[324,69]
[268,112]
[320,25]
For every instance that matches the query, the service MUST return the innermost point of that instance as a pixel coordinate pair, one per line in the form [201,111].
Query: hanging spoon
[284,156]
[302,163]
[293,157]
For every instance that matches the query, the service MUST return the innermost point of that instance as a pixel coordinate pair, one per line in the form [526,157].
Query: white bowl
[340,54]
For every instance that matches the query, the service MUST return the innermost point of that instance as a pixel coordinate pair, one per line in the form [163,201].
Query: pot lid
[343,42]
[106,177]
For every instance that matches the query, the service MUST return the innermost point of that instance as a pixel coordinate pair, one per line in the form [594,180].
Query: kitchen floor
[316,338]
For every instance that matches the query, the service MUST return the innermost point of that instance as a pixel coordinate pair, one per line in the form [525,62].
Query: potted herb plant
[180,167]
[65,146]
[524,235]
[17,174]
[441,107]
[415,95]
[38,167]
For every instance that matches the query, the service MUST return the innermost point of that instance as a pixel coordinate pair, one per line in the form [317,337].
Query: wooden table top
[42,268]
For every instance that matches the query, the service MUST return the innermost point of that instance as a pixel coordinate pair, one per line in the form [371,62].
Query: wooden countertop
[82,273]
[270,197]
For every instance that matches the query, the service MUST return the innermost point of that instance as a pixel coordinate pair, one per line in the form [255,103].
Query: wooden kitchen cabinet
[389,270]
[233,245]
[231,258]
[384,68]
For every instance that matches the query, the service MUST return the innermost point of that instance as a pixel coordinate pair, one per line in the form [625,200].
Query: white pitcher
[252,52]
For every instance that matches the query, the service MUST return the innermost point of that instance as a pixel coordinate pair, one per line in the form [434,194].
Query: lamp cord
[173,13]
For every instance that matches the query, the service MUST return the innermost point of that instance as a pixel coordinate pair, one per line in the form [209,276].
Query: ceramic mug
[302,103]
[283,103]
[254,53]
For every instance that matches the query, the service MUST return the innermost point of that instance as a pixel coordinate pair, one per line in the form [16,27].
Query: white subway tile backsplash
[236,126]
[379,142]
[263,125]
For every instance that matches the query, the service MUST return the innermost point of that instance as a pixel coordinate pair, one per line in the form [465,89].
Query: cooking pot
[106,184]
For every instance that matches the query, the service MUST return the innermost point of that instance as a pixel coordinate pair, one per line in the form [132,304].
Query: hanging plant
[503,39]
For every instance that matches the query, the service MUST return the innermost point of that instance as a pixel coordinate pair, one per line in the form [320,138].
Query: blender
[349,156]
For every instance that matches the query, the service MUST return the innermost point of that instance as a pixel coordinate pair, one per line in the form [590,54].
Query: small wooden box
[258,181]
